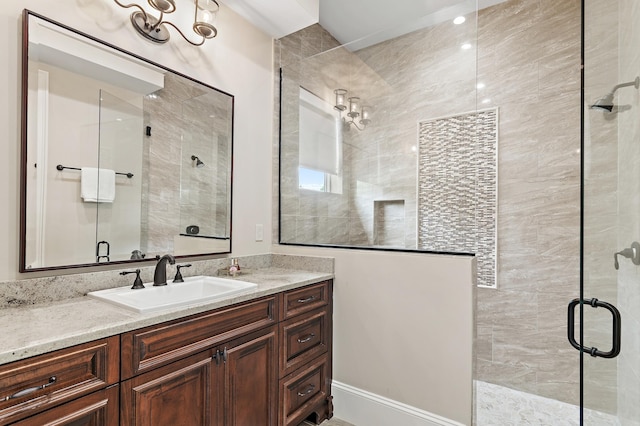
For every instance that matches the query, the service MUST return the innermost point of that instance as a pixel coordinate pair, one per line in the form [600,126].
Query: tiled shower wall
[199,193]
[529,60]
[205,192]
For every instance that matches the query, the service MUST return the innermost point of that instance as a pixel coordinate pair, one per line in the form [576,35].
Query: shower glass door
[609,307]
[118,221]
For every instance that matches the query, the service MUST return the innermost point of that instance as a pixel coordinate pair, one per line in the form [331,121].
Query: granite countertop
[37,329]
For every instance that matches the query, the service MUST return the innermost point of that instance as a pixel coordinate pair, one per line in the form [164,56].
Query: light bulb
[207,16]
[340,95]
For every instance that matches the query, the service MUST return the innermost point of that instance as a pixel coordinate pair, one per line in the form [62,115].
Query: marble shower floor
[501,406]
[332,422]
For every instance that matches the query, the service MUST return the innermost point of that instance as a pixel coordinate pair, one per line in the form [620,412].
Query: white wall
[403,329]
[238,61]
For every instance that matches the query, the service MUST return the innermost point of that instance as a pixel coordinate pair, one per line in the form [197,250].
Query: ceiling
[358,23]
[361,23]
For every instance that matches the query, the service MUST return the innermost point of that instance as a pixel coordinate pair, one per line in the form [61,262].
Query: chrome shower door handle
[617,323]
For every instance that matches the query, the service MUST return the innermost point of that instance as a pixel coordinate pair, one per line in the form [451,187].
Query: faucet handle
[138,282]
[178,278]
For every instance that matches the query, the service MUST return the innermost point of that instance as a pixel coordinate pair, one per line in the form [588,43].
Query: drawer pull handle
[28,391]
[308,391]
[307,300]
[307,338]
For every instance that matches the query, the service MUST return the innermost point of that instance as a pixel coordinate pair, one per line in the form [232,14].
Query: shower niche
[388,223]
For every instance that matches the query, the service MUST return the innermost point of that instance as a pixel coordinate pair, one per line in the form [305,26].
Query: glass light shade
[164,6]
[354,106]
[205,15]
[366,115]
[340,99]
[208,5]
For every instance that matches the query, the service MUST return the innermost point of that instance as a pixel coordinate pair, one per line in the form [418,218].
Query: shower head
[606,102]
[199,163]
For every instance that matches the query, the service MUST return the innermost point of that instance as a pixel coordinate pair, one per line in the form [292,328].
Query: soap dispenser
[234,268]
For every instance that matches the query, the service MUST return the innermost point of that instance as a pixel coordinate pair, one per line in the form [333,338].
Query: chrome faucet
[160,274]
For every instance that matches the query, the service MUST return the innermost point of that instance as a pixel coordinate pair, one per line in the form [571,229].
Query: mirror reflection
[123,160]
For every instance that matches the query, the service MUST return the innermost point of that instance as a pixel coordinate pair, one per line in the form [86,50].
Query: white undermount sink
[192,290]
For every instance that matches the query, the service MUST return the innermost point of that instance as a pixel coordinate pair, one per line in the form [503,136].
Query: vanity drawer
[97,409]
[151,347]
[302,339]
[305,299]
[33,385]
[303,392]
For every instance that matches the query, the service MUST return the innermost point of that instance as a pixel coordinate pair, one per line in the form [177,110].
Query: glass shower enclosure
[609,306]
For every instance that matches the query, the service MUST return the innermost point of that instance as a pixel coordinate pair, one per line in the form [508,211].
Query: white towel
[97,185]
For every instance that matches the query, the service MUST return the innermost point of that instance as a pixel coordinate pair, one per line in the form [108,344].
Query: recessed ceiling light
[459,20]
[486,101]
[480,86]
[466,46]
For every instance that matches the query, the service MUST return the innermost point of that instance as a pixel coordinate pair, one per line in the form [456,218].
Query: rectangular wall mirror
[122,159]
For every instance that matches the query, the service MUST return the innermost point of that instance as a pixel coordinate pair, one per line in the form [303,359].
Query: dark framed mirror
[123,159]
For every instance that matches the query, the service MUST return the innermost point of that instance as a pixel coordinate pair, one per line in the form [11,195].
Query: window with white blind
[320,152]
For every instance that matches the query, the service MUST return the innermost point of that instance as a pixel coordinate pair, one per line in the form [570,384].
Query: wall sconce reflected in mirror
[155,29]
[355,110]
[199,163]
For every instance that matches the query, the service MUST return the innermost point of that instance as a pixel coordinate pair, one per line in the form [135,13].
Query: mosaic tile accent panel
[457,187]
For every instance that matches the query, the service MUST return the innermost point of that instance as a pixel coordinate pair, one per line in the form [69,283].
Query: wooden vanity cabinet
[265,362]
[68,386]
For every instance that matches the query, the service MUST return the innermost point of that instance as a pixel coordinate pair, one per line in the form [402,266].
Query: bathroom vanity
[262,358]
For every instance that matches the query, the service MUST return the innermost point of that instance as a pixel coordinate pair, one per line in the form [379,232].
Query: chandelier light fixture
[155,28]
[352,104]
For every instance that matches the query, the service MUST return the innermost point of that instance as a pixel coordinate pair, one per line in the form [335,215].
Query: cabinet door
[179,394]
[97,409]
[251,382]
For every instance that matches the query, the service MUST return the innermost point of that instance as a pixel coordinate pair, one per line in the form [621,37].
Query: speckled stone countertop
[39,328]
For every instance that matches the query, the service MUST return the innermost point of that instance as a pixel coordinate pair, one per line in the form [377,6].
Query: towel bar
[61,167]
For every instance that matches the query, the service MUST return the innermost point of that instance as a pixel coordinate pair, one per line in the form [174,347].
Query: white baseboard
[362,408]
